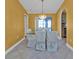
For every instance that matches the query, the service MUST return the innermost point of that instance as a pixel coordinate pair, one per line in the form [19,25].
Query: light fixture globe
[42,17]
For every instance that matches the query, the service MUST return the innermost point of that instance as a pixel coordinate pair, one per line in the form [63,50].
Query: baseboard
[11,48]
[69,46]
[59,38]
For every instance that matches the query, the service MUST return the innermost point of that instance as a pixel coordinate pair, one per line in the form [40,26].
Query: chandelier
[42,16]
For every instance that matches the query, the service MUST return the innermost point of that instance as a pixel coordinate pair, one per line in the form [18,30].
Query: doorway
[63,25]
[25,24]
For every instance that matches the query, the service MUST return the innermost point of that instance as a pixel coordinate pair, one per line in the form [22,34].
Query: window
[44,23]
[41,23]
[49,24]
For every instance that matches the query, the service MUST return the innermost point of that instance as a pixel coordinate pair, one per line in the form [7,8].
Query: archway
[63,25]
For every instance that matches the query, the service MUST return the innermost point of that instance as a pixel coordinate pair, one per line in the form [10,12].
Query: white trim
[26,23]
[60,24]
[11,48]
[35,23]
[69,46]
[59,38]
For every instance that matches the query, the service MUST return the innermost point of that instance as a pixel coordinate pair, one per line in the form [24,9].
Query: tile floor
[22,52]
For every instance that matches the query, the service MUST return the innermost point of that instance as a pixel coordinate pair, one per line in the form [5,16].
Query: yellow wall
[32,21]
[14,23]
[68,6]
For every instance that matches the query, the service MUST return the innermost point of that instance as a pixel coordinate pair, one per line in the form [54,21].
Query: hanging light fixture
[42,16]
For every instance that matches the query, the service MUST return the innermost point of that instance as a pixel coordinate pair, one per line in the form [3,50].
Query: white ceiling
[35,6]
